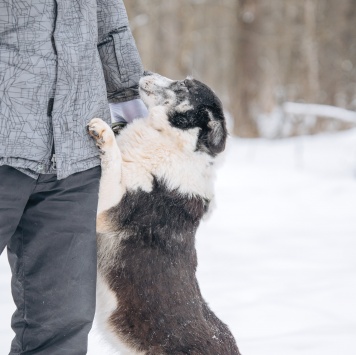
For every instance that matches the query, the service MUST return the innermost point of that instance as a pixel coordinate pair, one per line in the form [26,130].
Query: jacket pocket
[121,64]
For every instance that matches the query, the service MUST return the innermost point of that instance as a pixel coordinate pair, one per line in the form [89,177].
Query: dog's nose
[147,73]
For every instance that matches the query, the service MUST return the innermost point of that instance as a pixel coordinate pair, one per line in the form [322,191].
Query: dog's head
[187,104]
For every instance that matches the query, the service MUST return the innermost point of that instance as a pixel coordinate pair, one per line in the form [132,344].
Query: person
[62,63]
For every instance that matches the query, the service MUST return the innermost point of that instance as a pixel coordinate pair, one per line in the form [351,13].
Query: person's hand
[127,111]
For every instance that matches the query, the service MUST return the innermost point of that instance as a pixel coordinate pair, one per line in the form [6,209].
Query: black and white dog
[155,188]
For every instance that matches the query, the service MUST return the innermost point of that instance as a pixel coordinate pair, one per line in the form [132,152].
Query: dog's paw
[102,134]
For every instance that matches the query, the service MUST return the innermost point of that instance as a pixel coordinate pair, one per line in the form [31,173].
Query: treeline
[256,54]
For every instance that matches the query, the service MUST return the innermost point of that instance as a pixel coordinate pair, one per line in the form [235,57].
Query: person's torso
[51,82]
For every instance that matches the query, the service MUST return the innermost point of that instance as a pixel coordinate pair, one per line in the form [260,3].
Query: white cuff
[127,111]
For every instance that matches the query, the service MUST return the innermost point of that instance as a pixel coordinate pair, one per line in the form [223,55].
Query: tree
[256,54]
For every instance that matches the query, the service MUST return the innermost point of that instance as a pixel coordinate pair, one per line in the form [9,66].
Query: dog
[156,186]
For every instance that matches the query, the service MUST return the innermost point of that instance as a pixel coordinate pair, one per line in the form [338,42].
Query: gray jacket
[61,62]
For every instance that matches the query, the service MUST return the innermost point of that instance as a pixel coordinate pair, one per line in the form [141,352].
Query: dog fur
[155,188]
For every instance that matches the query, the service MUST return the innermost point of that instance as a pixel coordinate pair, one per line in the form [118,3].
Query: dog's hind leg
[111,190]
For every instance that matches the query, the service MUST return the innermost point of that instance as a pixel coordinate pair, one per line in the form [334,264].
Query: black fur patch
[206,107]
[161,310]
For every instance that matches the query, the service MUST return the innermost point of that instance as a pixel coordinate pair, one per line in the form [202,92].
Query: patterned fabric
[61,62]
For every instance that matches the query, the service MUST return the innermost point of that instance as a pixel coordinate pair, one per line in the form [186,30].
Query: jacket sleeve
[117,49]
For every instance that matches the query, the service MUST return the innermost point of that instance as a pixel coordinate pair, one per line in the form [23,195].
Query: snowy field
[277,259]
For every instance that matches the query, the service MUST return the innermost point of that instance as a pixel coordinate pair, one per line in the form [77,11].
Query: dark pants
[48,226]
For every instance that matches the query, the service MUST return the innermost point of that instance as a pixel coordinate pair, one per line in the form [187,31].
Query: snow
[277,258]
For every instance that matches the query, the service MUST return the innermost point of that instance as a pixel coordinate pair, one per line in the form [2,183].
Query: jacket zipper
[54,162]
[51,101]
[49,114]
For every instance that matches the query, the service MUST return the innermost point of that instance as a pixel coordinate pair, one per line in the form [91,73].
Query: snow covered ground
[277,259]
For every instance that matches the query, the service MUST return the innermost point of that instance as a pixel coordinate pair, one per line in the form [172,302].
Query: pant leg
[15,189]
[53,258]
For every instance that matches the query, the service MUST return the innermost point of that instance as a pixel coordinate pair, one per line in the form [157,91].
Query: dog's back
[160,307]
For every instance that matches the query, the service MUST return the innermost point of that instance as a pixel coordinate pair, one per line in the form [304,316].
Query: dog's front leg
[111,190]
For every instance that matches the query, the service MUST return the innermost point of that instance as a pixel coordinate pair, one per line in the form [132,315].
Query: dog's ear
[217,136]
[216,133]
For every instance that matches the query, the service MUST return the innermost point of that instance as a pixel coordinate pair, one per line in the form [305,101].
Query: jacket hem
[33,169]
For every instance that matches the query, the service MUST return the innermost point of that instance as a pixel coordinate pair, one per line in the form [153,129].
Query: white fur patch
[151,146]
[184,106]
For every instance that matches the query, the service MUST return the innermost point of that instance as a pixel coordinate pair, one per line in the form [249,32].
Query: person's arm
[120,60]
